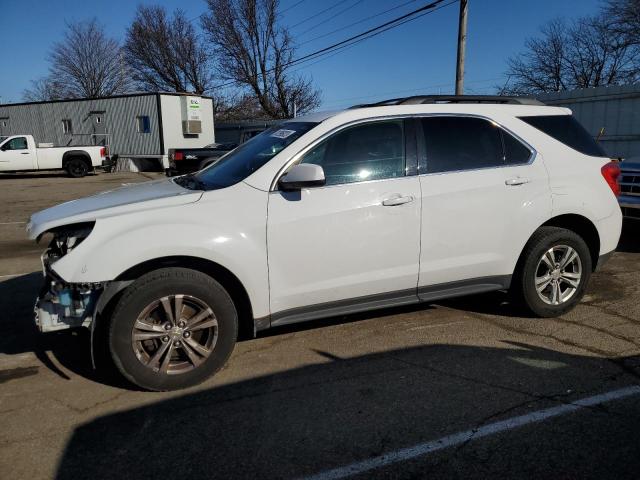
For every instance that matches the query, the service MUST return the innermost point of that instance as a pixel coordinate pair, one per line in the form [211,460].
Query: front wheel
[172,328]
[553,273]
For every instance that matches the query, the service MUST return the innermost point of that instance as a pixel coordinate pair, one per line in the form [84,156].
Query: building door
[99,128]
[5,129]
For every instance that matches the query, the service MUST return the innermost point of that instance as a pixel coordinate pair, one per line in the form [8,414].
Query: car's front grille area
[630,182]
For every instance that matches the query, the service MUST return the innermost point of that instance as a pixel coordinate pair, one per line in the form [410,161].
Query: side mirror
[301,176]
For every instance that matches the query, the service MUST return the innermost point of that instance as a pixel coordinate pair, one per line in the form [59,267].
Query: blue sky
[418,57]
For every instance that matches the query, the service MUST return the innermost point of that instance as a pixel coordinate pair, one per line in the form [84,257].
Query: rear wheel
[77,168]
[172,328]
[554,272]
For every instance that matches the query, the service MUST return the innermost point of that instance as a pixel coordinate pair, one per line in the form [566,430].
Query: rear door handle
[397,200]
[24,153]
[512,182]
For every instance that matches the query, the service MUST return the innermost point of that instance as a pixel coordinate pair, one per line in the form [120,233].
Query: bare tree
[165,53]
[42,90]
[624,19]
[253,51]
[582,54]
[87,63]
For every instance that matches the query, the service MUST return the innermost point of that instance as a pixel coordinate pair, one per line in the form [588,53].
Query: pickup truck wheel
[554,272]
[172,328]
[77,168]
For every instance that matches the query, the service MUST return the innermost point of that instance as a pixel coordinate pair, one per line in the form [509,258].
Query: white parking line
[13,275]
[462,437]
[12,223]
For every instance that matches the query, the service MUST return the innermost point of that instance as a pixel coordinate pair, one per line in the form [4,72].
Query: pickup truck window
[18,143]
[247,158]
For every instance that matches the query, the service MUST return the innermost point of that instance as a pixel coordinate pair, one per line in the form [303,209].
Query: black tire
[150,288]
[77,168]
[523,286]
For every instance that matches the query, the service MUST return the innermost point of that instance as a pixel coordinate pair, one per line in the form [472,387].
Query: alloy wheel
[174,334]
[558,274]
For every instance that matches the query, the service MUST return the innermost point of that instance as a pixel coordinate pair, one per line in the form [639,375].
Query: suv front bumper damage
[61,305]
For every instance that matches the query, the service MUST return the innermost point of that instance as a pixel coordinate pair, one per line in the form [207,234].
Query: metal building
[616,109]
[137,127]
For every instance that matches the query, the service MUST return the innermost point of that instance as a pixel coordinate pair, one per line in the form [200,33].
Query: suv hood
[126,199]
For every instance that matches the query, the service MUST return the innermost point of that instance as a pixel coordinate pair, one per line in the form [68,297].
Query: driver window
[18,143]
[371,151]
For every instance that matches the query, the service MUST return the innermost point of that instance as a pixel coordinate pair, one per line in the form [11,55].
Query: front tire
[553,272]
[172,328]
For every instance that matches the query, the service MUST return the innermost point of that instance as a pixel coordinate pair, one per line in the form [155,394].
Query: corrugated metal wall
[44,122]
[617,109]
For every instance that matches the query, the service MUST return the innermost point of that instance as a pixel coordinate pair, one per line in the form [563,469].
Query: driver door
[15,155]
[352,244]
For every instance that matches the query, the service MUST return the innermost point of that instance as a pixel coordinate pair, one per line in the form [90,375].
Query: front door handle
[24,153]
[397,200]
[512,182]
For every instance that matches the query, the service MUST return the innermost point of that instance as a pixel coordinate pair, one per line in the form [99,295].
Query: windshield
[247,158]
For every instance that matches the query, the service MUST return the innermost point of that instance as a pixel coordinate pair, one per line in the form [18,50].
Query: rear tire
[553,272]
[77,168]
[158,350]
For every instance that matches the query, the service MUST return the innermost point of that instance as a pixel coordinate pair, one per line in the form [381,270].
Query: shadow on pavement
[37,175]
[337,411]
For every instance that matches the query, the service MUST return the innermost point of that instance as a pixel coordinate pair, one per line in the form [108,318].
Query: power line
[292,6]
[333,16]
[317,14]
[396,22]
[358,22]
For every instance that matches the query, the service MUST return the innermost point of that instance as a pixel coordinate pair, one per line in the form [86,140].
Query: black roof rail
[427,99]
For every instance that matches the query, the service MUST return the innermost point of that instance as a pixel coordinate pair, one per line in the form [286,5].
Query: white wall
[172,116]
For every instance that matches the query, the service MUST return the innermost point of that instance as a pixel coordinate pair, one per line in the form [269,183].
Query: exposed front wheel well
[226,278]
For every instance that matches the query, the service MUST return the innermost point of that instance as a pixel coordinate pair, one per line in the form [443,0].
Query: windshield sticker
[283,133]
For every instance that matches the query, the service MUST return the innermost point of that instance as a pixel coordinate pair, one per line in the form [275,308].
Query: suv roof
[426,99]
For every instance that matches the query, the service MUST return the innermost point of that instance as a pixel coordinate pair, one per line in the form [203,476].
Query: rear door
[355,241]
[484,192]
[15,154]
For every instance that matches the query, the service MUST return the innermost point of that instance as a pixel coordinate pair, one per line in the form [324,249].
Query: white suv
[405,201]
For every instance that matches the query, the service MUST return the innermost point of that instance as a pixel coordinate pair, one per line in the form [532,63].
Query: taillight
[611,173]
[178,155]
[103,152]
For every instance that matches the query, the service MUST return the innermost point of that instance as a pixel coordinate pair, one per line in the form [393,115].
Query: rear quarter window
[566,129]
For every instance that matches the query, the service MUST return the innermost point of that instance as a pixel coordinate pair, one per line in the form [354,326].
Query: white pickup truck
[19,153]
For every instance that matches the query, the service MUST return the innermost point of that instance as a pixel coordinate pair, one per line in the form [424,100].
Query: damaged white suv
[400,202]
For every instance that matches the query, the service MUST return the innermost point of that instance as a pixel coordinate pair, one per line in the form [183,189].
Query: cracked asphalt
[304,399]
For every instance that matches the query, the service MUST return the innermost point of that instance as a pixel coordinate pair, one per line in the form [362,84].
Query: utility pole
[462,40]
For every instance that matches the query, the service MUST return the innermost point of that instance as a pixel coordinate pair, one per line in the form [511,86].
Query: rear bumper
[630,206]
[181,167]
[107,164]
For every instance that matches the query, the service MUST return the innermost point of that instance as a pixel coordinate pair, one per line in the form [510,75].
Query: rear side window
[567,130]
[515,153]
[461,143]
